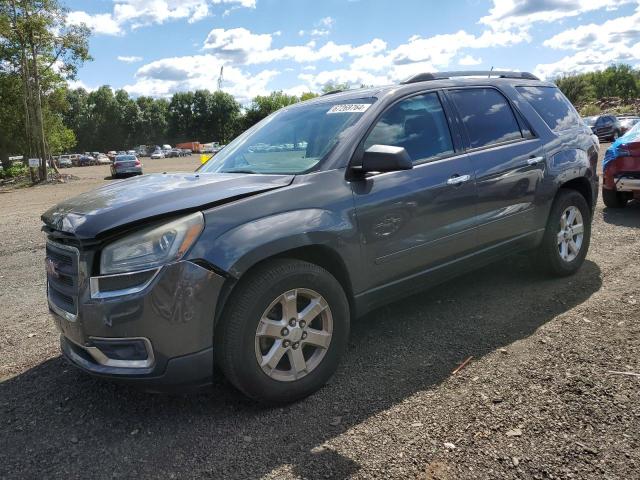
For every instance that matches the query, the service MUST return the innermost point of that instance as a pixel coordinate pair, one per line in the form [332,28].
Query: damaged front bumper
[152,328]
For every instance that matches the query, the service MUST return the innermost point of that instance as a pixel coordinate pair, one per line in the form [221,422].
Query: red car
[621,168]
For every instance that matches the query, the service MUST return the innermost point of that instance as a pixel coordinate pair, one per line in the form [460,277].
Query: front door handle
[458,179]
[535,160]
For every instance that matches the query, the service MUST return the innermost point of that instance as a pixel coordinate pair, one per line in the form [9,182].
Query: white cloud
[73,84]
[586,61]
[138,13]
[101,23]
[621,31]
[164,77]
[322,28]
[327,22]
[239,45]
[469,60]
[596,46]
[131,59]
[507,14]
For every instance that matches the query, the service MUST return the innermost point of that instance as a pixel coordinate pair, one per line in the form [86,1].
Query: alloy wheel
[293,334]
[571,234]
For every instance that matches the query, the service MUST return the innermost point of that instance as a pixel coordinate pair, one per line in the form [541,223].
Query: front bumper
[172,316]
[627,184]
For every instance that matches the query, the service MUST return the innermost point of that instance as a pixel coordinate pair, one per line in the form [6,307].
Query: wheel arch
[582,185]
[321,255]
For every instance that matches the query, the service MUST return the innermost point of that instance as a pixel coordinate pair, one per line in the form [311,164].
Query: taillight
[137,163]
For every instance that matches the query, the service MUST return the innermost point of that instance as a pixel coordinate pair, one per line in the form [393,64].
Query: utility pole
[220,78]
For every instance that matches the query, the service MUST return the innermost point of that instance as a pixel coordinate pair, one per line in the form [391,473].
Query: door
[415,219]
[508,164]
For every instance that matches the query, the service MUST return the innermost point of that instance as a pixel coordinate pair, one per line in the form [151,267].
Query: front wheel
[567,235]
[283,331]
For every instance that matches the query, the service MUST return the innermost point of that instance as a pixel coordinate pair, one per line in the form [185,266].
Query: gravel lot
[536,401]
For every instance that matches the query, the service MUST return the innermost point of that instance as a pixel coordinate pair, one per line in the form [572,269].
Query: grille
[62,276]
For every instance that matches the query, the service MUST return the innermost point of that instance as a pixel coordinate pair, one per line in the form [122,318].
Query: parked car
[64,161]
[111,154]
[606,127]
[126,165]
[627,123]
[102,159]
[621,170]
[259,260]
[157,154]
[86,160]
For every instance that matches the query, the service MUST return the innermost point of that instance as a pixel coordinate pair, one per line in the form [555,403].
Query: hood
[148,196]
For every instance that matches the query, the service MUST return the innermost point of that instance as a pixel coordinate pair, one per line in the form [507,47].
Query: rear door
[415,219]
[508,163]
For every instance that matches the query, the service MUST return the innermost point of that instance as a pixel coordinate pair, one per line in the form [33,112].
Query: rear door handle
[535,160]
[458,179]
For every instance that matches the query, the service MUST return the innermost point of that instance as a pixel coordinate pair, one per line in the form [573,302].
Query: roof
[438,80]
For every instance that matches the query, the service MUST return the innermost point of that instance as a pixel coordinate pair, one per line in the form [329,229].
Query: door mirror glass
[385,158]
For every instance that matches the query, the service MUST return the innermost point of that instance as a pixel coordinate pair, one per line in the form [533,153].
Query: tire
[238,345]
[613,199]
[550,256]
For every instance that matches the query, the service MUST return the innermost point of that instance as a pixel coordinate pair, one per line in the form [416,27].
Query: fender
[238,249]
[566,165]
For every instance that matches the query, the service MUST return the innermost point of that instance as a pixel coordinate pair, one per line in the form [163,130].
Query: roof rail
[423,77]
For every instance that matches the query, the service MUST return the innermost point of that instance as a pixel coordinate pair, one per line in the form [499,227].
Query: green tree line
[105,120]
[621,81]
[39,52]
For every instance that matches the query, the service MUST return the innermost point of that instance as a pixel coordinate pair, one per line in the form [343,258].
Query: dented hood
[122,203]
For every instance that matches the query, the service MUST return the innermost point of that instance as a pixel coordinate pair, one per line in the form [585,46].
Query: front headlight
[153,246]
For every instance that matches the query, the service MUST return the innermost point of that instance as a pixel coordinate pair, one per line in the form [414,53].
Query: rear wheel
[567,235]
[283,331]
[614,199]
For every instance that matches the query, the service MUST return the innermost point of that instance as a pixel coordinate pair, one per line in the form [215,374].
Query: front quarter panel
[315,210]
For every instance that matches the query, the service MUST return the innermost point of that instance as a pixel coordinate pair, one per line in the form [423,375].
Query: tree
[40,48]
[577,88]
[308,96]
[262,106]
[333,87]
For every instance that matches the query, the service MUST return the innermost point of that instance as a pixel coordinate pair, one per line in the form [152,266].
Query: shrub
[590,109]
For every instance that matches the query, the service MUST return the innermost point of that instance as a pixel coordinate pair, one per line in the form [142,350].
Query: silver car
[126,165]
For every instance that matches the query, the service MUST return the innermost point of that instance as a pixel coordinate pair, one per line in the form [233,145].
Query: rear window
[487,116]
[552,106]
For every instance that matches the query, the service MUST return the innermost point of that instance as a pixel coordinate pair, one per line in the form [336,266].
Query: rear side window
[418,124]
[552,106]
[487,116]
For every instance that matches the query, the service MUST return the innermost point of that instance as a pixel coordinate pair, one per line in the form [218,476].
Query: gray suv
[258,261]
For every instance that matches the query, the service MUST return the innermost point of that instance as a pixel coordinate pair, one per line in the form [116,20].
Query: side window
[554,108]
[418,124]
[487,116]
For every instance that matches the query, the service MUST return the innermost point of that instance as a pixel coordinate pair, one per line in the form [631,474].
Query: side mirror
[385,158]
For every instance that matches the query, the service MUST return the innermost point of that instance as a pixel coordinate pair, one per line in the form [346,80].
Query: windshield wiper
[239,171]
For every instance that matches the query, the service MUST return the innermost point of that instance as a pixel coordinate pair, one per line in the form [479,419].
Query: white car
[157,154]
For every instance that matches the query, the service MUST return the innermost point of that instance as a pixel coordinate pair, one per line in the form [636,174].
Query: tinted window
[486,115]
[552,106]
[418,124]
[291,140]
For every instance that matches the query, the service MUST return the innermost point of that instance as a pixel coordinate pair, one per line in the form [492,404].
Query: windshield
[291,141]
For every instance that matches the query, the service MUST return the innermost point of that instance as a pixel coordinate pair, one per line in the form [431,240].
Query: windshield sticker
[349,108]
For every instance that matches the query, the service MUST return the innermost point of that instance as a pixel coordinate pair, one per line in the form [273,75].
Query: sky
[159,47]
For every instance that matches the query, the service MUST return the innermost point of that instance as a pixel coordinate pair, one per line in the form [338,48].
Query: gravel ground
[537,400]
